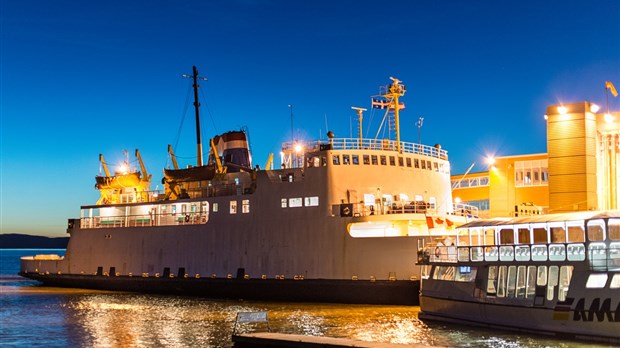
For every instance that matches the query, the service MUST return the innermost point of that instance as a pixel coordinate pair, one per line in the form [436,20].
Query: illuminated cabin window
[295,202]
[596,280]
[233,207]
[245,206]
[374,229]
[531,173]
[615,281]
[284,202]
[215,207]
[311,201]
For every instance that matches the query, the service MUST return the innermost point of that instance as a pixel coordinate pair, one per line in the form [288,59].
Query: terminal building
[580,171]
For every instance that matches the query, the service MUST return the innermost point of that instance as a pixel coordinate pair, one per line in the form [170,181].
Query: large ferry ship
[339,221]
[556,274]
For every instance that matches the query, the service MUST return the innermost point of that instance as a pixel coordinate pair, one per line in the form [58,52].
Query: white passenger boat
[554,274]
[338,221]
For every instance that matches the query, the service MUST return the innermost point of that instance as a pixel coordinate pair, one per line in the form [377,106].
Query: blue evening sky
[79,78]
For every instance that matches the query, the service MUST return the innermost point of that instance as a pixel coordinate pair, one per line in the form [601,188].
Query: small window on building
[336,159]
[245,206]
[311,201]
[295,202]
[233,207]
[392,161]
[374,160]
[284,202]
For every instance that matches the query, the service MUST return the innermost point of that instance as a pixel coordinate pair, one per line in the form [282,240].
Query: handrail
[367,144]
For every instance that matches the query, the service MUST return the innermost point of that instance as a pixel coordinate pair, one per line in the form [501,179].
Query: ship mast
[396,90]
[195,77]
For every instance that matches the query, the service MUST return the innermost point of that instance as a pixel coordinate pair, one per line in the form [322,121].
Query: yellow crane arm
[269,162]
[145,175]
[216,155]
[105,166]
[173,157]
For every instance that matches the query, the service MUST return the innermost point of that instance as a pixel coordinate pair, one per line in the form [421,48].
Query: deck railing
[366,144]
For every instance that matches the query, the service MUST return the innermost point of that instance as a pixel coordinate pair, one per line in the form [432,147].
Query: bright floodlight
[457,200]
[562,110]
[123,169]
[609,118]
[594,108]
[298,148]
[490,160]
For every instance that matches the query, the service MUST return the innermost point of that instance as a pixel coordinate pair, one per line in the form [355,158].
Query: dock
[271,339]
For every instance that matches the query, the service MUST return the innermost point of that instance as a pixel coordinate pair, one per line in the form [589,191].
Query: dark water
[36,316]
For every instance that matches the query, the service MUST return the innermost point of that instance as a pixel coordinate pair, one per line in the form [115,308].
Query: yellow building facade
[579,172]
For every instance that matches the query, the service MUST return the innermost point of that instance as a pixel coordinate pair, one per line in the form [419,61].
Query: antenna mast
[195,77]
[360,117]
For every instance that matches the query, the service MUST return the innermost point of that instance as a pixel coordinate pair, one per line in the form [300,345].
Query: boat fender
[186,217]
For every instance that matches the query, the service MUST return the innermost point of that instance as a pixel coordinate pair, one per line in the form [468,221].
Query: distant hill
[25,241]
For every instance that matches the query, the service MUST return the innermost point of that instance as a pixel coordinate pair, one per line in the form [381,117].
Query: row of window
[531,173]
[384,160]
[299,202]
[521,281]
[470,182]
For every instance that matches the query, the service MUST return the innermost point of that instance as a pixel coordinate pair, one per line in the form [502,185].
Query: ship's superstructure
[339,221]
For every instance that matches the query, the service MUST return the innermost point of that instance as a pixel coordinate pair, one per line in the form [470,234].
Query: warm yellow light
[594,108]
[562,110]
[546,117]
[298,148]
[490,160]
[457,200]
[609,118]
[123,169]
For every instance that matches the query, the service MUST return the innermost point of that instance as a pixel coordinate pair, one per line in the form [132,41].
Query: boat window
[295,202]
[615,281]
[506,236]
[409,162]
[539,253]
[436,166]
[576,252]
[311,201]
[596,280]
[557,252]
[465,274]
[558,233]
[463,237]
[366,159]
[541,278]
[530,286]
[336,159]
[522,252]
[596,230]
[492,281]
[501,282]
[416,163]
[428,165]
[521,277]
[245,206]
[383,161]
[233,207]
[215,207]
[614,256]
[392,160]
[476,236]
[613,228]
[284,202]
[511,280]
[540,234]
[401,161]
[566,273]
[373,160]
[444,273]
[355,159]
[576,234]
[552,282]
[523,235]
[489,236]
[423,162]
[345,159]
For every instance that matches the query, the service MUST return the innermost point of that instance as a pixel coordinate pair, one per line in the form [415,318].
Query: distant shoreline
[26,241]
